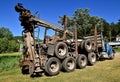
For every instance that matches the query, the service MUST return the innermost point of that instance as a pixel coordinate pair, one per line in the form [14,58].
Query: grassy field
[11,54]
[102,71]
[9,61]
[117,49]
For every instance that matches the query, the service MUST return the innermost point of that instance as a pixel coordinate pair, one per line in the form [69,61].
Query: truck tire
[112,56]
[25,69]
[93,49]
[88,45]
[61,50]
[91,58]
[82,44]
[81,61]
[31,68]
[69,64]
[52,66]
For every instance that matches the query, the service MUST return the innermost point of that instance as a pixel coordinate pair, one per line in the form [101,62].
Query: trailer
[100,47]
[54,53]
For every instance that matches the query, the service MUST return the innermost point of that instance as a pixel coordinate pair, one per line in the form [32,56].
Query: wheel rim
[61,50]
[83,61]
[54,66]
[70,64]
[89,46]
[93,58]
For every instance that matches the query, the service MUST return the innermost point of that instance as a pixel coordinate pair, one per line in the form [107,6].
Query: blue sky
[50,10]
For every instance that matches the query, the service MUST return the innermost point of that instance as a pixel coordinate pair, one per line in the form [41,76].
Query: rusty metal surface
[24,62]
[95,38]
[29,20]
[76,40]
[65,21]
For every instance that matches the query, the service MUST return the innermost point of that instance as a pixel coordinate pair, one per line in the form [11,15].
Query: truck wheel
[82,44]
[52,66]
[25,69]
[91,58]
[93,46]
[112,56]
[82,61]
[69,64]
[88,45]
[61,50]
[31,68]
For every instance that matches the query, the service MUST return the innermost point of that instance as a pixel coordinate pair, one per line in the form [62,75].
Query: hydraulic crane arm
[28,20]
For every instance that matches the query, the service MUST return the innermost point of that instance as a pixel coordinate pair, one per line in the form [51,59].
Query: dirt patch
[117,54]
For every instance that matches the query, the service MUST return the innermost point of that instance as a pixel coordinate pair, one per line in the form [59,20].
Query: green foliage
[13,46]
[18,38]
[85,22]
[117,49]
[82,18]
[8,62]
[112,30]
[3,45]
[7,43]
[5,33]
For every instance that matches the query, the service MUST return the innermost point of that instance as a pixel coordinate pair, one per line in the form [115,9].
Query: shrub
[8,45]
[13,46]
[3,45]
[9,62]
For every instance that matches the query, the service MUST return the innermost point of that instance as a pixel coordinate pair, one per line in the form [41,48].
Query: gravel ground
[117,54]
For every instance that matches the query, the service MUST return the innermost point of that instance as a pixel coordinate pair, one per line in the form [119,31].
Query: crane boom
[28,20]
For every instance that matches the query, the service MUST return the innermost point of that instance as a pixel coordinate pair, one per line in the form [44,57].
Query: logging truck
[55,53]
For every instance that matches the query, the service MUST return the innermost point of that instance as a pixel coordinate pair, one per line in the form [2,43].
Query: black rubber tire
[93,46]
[31,68]
[112,56]
[69,64]
[92,58]
[88,45]
[25,69]
[61,50]
[81,61]
[82,44]
[52,66]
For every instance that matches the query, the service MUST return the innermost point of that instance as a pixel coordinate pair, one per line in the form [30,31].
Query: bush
[7,41]
[8,62]
[13,46]
[3,45]
[8,45]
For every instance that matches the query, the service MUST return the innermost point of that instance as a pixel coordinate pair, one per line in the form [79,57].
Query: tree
[7,42]
[85,22]
[106,29]
[5,33]
[82,18]
[95,20]
[113,31]
[18,38]
[3,45]
[13,46]
[117,27]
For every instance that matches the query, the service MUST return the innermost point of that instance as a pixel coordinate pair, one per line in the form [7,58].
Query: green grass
[9,61]
[102,71]
[11,54]
[117,49]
